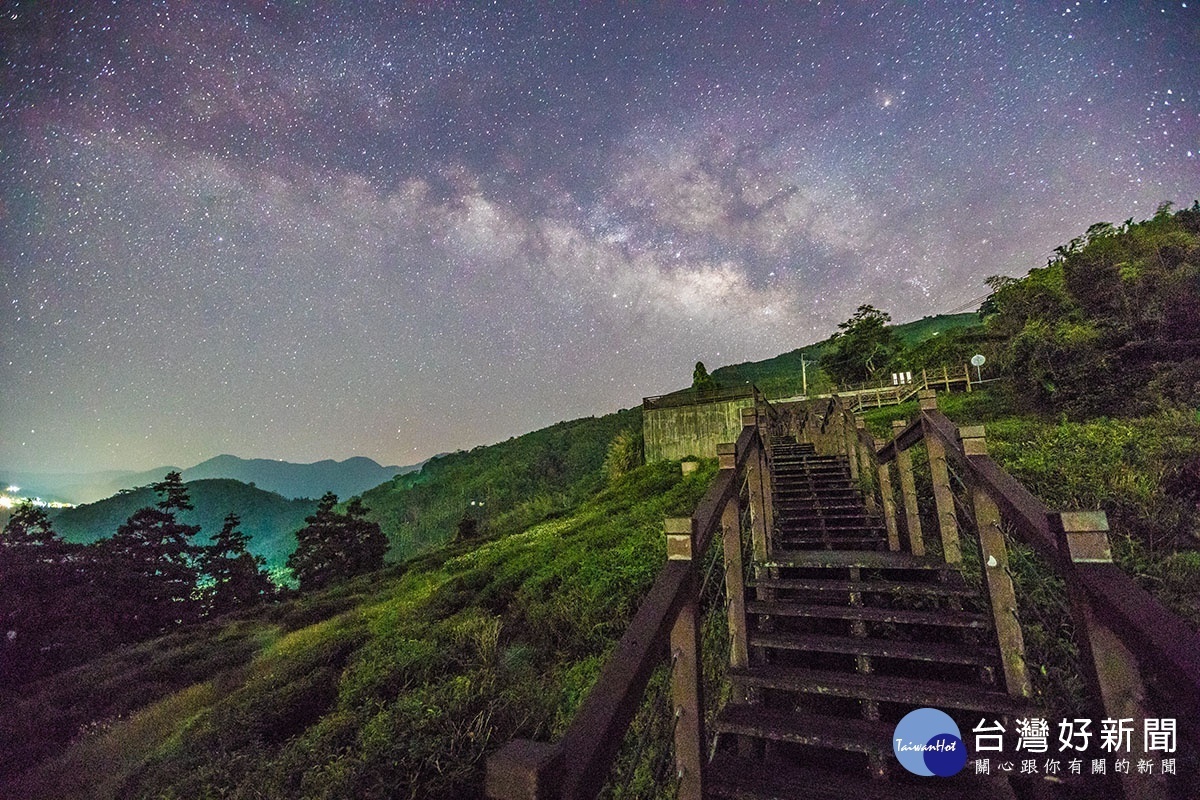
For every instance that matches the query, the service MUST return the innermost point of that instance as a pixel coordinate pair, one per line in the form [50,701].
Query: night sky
[311,230]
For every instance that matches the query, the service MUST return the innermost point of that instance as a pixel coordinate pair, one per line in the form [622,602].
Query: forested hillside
[1111,325]
[271,521]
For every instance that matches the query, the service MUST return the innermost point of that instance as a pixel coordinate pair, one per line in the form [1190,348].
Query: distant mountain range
[270,519]
[344,478]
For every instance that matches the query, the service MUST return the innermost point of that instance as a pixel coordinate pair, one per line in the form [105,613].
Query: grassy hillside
[395,685]
[270,520]
[503,487]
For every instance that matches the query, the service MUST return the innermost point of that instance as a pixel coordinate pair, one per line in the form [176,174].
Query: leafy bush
[1108,326]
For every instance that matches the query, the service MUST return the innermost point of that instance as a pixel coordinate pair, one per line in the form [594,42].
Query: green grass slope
[1144,472]
[503,487]
[395,685]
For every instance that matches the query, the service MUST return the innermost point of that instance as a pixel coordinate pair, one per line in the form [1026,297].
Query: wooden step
[864,542]
[806,728]
[738,778]
[806,494]
[852,558]
[826,585]
[917,692]
[803,468]
[939,652]
[833,525]
[948,619]
[801,507]
[838,486]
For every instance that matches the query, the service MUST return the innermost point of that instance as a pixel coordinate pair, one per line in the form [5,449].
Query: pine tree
[333,547]
[153,563]
[38,597]
[237,575]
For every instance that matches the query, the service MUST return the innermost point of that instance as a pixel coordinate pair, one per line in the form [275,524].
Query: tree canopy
[335,546]
[863,346]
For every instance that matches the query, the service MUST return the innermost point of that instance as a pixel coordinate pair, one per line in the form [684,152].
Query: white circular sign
[977,360]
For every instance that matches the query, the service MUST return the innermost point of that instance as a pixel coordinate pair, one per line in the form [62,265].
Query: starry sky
[307,230]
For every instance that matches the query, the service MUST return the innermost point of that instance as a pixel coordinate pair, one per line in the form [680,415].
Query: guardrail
[876,394]
[666,629]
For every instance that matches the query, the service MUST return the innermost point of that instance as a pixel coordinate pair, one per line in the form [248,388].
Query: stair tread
[738,778]
[837,542]
[917,692]
[868,559]
[801,527]
[876,647]
[865,586]
[952,619]
[804,727]
[818,505]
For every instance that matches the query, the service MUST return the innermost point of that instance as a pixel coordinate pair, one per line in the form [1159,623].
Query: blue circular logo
[928,742]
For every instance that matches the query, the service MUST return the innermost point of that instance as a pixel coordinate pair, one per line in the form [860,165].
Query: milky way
[305,230]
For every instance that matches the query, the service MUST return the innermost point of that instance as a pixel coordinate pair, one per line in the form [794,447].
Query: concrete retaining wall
[693,430]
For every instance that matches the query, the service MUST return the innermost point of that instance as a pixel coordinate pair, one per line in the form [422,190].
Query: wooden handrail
[595,734]
[1161,643]
[576,766]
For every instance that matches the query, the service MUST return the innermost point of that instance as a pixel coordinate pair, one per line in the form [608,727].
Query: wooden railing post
[735,583]
[523,770]
[758,479]
[850,440]
[687,689]
[994,557]
[908,489]
[942,495]
[889,506]
[1109,668]
[865,466]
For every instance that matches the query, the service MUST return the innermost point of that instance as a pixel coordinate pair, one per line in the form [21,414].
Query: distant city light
[9,501]
[13,489]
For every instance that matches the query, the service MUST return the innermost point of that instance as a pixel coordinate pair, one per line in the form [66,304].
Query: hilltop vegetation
[1111,325]
[921,343]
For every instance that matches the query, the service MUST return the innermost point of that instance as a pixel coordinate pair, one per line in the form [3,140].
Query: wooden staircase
[840,626]
[846,637]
